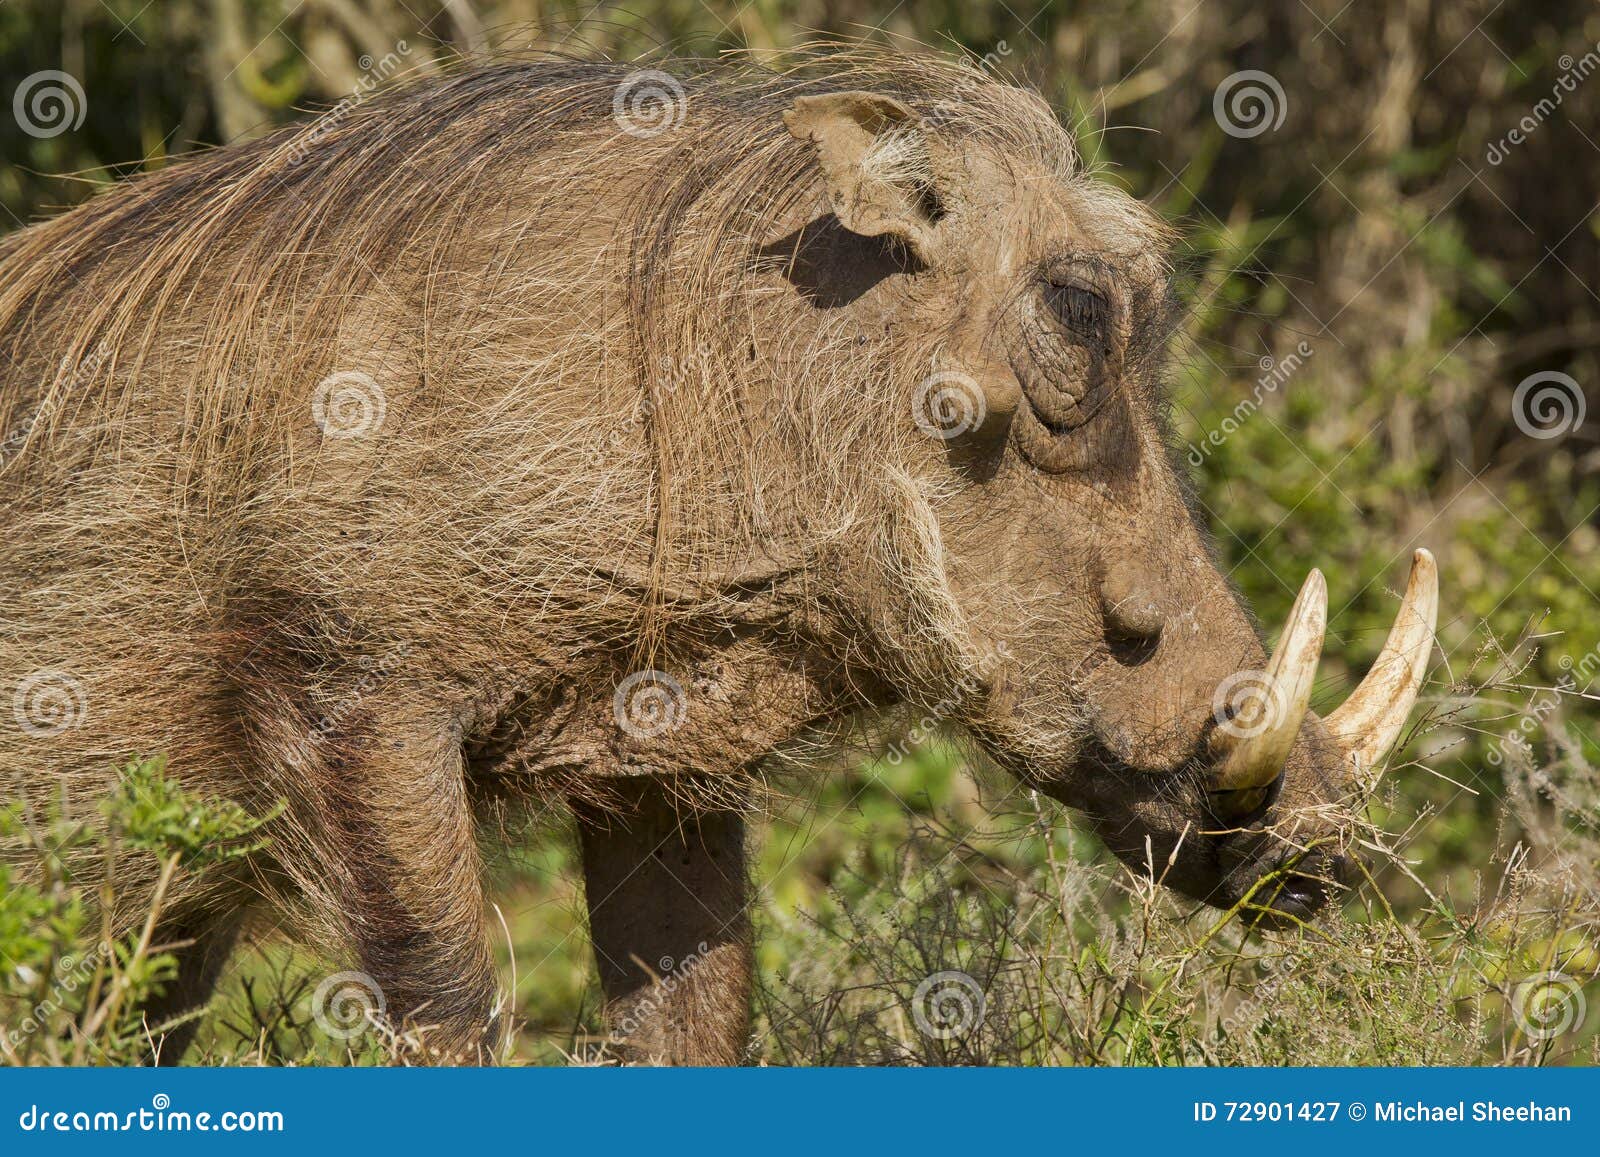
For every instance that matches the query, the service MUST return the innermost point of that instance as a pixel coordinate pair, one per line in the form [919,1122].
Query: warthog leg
[668,897]
[390,811]
[206,944]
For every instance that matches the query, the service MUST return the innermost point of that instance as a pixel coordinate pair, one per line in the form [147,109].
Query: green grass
[1441,284]
[874,881]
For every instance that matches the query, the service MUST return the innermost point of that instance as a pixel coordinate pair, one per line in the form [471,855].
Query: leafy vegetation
[70,991]
[1373,230]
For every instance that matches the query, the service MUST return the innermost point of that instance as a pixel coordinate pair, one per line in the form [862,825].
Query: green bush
[70,993]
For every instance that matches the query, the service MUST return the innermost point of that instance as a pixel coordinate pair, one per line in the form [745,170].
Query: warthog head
[1120,673]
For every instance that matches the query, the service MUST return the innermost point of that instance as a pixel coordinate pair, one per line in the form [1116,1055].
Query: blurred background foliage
[1415,264]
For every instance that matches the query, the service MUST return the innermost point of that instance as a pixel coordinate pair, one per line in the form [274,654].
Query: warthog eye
[1068,360]
[1083,311]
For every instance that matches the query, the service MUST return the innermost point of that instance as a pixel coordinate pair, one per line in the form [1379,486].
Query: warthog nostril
[1133,617]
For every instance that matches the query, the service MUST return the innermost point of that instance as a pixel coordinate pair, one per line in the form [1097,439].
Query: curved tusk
[1367,724]
[1254,744]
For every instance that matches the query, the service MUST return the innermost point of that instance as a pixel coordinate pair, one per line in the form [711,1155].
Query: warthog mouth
[1215,816]
[1296,891]
[1235,862]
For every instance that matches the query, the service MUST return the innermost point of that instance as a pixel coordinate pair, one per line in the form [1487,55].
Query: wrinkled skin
[1070,497]
[395,633]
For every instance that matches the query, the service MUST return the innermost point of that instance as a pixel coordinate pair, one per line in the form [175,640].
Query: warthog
[567,432]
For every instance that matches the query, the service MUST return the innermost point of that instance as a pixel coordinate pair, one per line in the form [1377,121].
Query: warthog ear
[875,164]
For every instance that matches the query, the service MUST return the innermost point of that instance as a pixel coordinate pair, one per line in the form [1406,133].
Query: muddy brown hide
[371,474]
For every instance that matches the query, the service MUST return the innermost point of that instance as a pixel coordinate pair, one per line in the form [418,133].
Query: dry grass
[983,930]
[1373,213]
